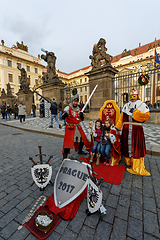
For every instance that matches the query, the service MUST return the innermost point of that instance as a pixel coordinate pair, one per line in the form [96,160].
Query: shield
[41,174]
[94,197]
[70,182]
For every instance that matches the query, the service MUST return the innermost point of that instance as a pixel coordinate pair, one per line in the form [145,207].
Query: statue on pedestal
[9,92]
[24,82]
[50,75]
[3,93]
[99,54]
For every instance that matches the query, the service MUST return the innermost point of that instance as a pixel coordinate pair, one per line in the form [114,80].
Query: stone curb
[36,131]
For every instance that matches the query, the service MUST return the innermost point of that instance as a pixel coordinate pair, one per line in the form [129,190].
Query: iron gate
[150,93]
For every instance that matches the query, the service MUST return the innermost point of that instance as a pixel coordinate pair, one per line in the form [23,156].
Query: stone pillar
[26,99]
[105,90]
[8,100]
[51,90]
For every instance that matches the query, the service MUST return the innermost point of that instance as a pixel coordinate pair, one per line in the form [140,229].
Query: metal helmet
[75,98]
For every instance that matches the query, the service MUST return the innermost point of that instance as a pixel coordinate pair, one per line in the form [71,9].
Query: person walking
[15,110]
[54,109]
[34,109]
[42,113]
[3,110]
[60,112]
[8,111]
[22,109]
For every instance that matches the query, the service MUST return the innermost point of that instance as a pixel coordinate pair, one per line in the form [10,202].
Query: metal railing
[124,82]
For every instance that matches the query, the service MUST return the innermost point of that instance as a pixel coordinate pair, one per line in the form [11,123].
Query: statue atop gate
[100,55]
[24,81]
[50,76]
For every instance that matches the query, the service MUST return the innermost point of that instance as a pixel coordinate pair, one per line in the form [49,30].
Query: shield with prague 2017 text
[70,182]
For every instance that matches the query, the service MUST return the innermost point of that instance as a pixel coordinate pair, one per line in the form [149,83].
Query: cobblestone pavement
[133,207]
[151,131]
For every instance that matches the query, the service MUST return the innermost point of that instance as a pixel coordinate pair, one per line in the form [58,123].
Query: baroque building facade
[18,55]
[128,63]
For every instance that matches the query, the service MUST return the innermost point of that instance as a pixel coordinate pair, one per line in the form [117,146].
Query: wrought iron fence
[150,93]
[82,90]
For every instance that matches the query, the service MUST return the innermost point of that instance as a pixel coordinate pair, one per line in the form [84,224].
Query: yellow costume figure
[133,148]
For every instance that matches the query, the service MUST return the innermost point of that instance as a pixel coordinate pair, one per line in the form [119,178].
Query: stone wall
[154,118]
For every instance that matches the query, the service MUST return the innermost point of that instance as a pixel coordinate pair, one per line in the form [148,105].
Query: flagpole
[153,92]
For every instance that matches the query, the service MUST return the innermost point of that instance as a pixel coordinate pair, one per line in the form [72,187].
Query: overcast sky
[70,28]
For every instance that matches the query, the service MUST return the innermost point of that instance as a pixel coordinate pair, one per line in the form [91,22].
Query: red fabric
[138,140]
[116,147]
[32,227]
[69,211]
[109,111]
[109,174]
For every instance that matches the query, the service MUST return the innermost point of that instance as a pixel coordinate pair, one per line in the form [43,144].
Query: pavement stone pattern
[133,207]
[151,131]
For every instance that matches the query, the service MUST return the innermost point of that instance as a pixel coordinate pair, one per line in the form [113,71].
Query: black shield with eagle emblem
[41,174]
[94,197]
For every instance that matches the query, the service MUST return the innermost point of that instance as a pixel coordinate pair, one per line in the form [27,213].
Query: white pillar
[2,79]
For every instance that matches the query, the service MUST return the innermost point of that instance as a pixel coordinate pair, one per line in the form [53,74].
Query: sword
[90,125]
[40,154]
[30,158]
[89,98]
[49,101]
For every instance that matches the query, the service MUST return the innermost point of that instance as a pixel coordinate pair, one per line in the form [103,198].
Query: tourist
[81,105]
[15,110]
[60,110]
[54,109]
[73,131]
[96,146]
[42,113]
[65,104]
[3,110]
[133,148]
[105,141]
[8,111]
[22,109]
[34,109]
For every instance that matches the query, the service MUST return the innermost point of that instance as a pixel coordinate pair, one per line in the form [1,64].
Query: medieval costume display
[74,134]
[134,113]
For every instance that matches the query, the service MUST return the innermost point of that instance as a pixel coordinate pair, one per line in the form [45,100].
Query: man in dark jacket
[3,110]
[54,109]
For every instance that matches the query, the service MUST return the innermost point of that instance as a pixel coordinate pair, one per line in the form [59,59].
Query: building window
[85,98]
[19,79]
[9,63]
[85,79]
[10,77]
[28,68]
[148,92]
[36,71]
[81,98]
[36,81]
[80,81]
[81,89]
[12,90]
[19,65]
[158,91]
[85,89]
